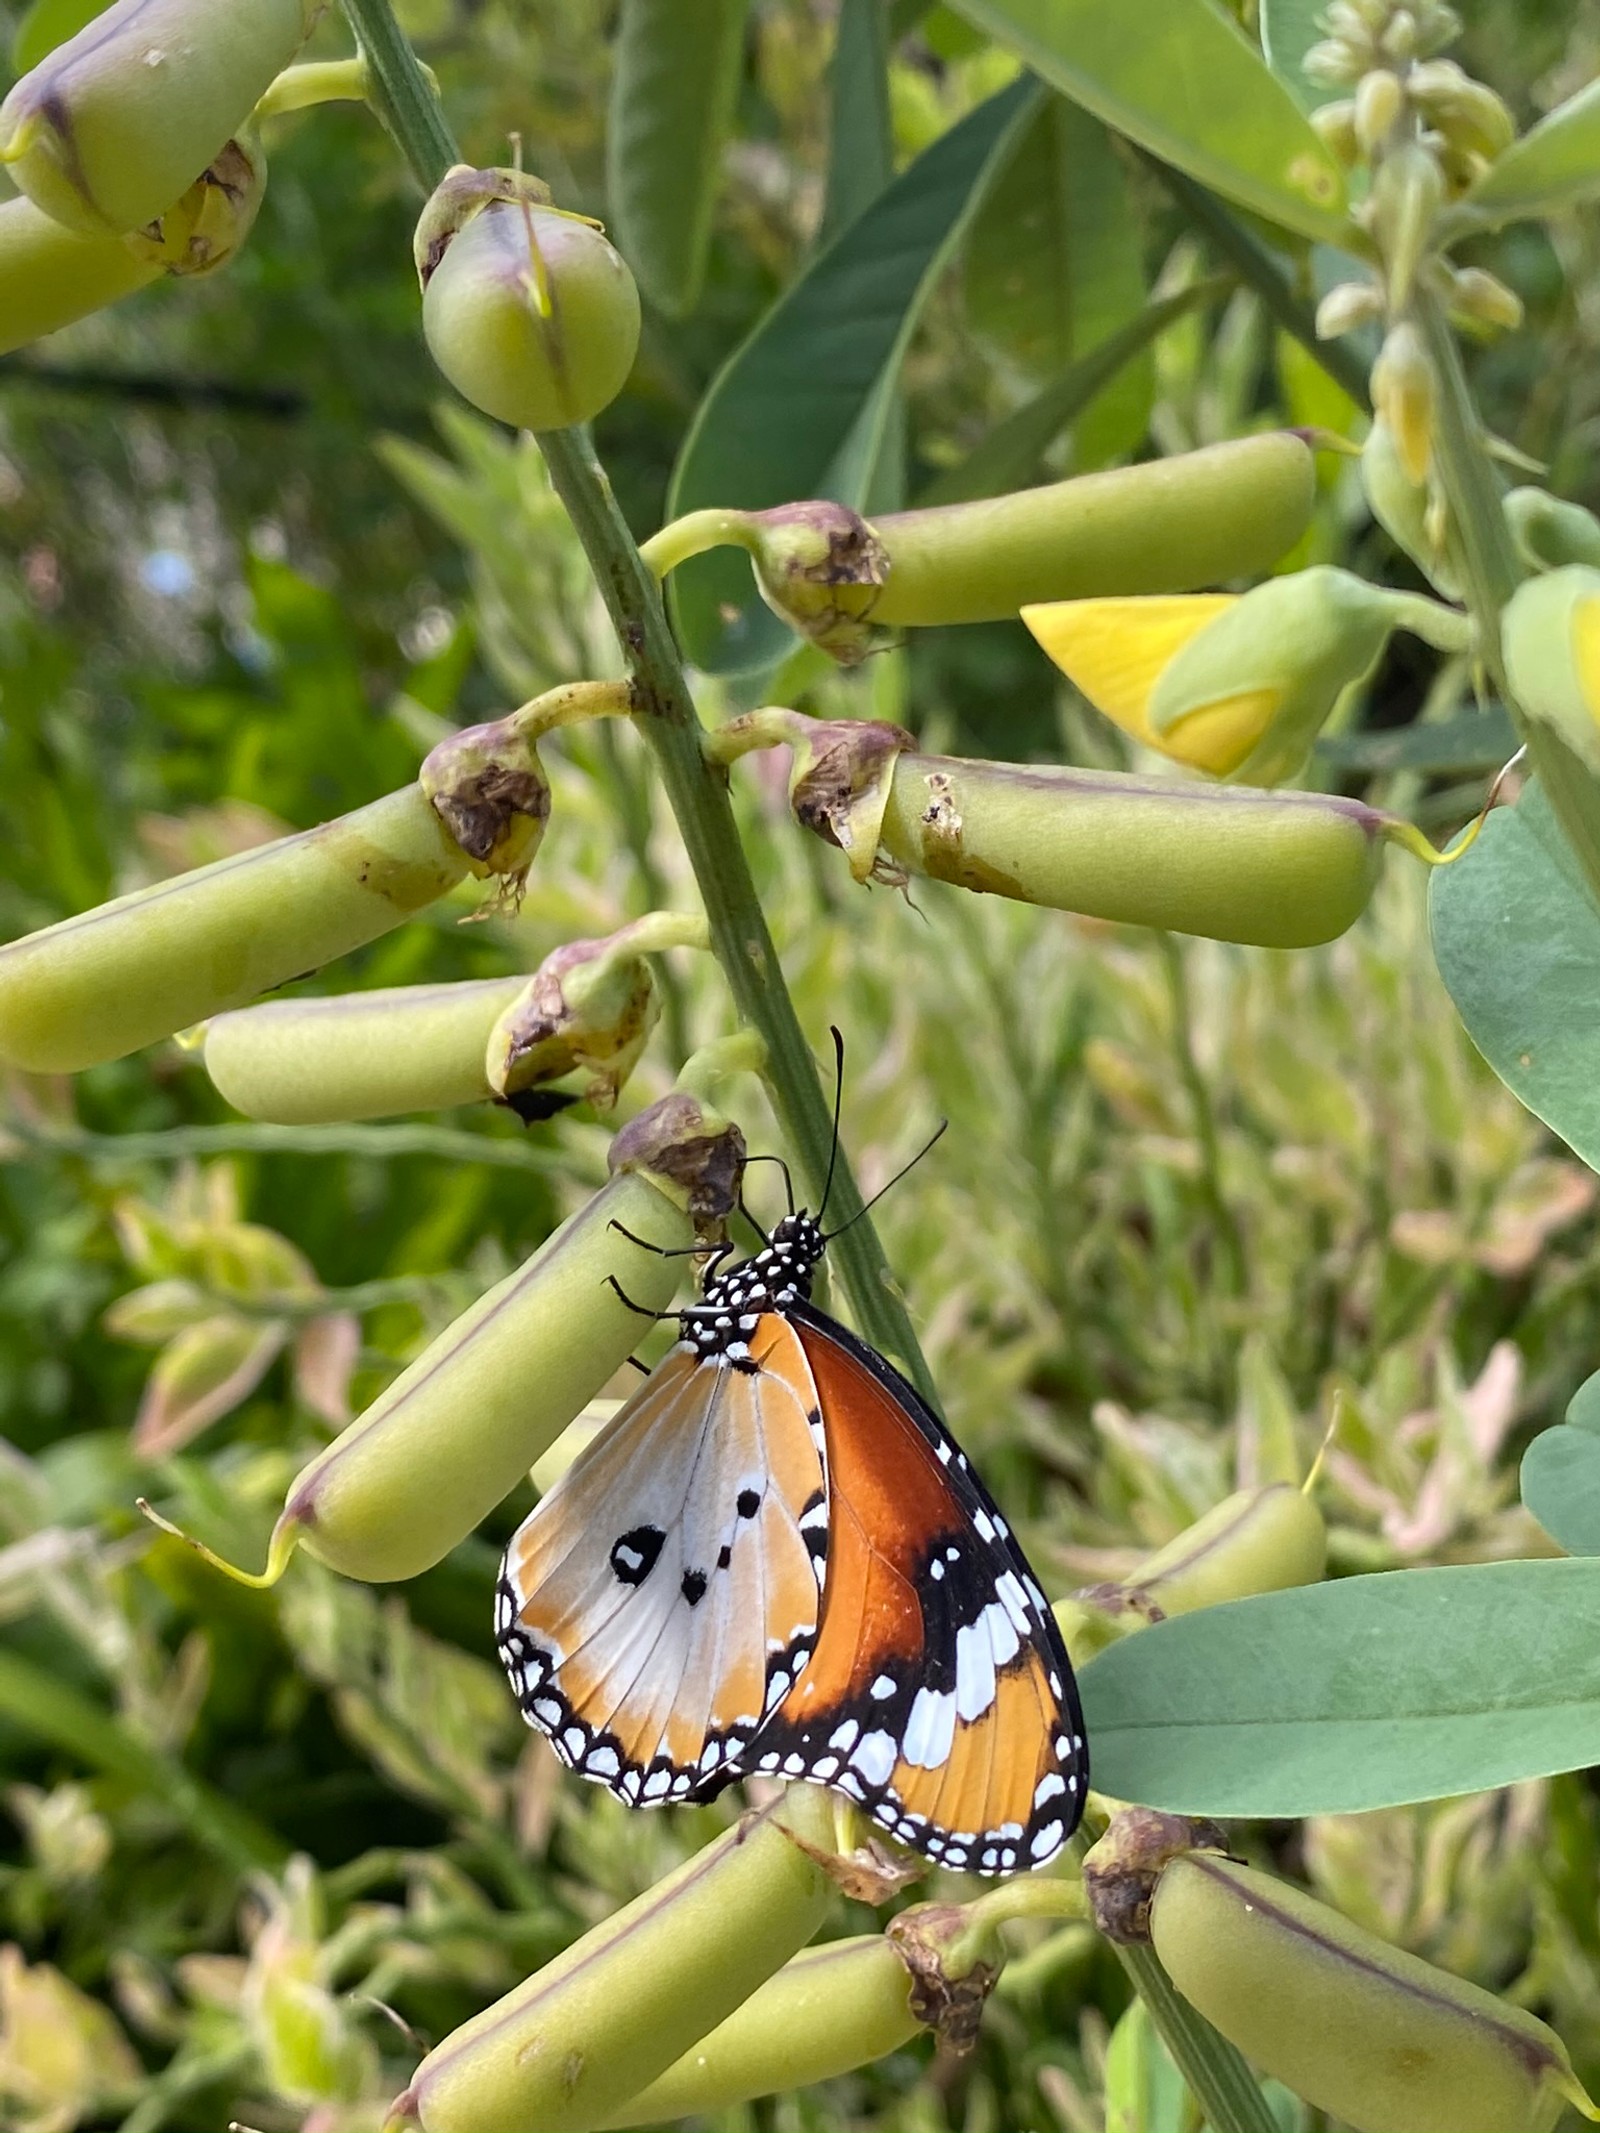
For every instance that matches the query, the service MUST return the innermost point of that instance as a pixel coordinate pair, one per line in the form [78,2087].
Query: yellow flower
[1552,646]
[1234,684]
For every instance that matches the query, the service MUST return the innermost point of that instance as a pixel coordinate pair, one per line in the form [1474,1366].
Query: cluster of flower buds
[1386,53]
[527,310]
[130,149]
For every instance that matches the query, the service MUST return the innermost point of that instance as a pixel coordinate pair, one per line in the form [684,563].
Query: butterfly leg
[655,1317]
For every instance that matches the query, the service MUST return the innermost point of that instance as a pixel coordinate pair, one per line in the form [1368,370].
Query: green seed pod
[832,2009]
[103,984]
[1257,1540]
[50,276]
[565,2051]
[1282,870]
[488,787]
[1227,511]
[359,1054]
[114,125]
[1377,2038]
[529,312]
[1551,633]
[1547,530]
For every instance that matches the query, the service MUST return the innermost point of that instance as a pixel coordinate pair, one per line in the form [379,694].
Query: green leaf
[673,92]
[860,140]
[1054,267]
[45,25]
[1516,935]
[1364,1692]
[1289,29]
[1561,1474]
[1551,167]
[1472,740]
[1183,81]
[784,408]
[1008,456]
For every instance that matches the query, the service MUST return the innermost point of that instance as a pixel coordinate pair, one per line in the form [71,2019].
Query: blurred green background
[251,564]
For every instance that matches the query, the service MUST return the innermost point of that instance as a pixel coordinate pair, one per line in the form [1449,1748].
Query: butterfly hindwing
[661,1600]
[939,1693]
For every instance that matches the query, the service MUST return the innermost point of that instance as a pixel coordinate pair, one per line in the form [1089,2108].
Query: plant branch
[1218,2077]
[696,791]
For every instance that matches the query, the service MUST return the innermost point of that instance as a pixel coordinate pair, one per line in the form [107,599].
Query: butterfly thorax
[771,1280]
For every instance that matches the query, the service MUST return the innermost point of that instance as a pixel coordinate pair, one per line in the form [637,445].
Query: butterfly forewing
[939,1693]
[663,1597]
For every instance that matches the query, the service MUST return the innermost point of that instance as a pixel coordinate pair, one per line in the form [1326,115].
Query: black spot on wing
[634,1553]
[748,1502]
[693,1587]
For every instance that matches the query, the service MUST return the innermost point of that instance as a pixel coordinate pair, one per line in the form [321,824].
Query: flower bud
[1284,870]
[1551,635]
[1379,104]
[113,126]
[528,311]
[1257,1540]
[488,787]
[63,2056]
[103,984]
[1404,396]
[1235,686]
[1229,510]
[460,1427]
[1549,531]
[1347,306]
[1484,300]
[1408,190]
[832,2009]
[359,1054]
[1334,63]
[1375,2037]
[207,225]
[589,1008]
[1466,112]
[610,2015]
[1404,509]
[1335,125]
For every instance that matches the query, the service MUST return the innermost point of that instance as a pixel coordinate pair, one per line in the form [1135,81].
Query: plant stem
[1229,1241]
[696,791]
[1220,2081]
[1493,572]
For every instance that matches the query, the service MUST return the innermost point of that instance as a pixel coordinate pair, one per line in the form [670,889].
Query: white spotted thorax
[776,1277]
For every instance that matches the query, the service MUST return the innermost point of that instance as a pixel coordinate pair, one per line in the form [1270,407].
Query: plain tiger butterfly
[775,1559]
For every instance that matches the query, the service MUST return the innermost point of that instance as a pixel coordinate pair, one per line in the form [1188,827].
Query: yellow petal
[1116,650]
[1586,652]
[1219,736]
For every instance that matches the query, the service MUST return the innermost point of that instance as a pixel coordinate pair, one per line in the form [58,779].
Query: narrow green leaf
[781,412]
[1364,1692]
[860,143]
[1054,266]
[1561,1474]
[45,25]
[68,1720]
[1008,457]
[673,92]
[1289,28]
[1472,740]
[1516,935]
[1553,165]
[1184,81]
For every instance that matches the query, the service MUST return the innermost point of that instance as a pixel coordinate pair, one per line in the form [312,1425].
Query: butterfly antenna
[937,1135]
[788,1182]
[838,1105]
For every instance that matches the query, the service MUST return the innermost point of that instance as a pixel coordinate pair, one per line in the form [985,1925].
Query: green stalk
[696,791]
[1493,572]
[1220,2081]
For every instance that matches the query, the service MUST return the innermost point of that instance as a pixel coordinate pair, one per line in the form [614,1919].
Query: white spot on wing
[875,1757]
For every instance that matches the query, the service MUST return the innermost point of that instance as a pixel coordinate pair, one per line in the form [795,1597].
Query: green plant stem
[23,1143]
[1220,2081]
[1492,572]
[695,790]
[1229,1241]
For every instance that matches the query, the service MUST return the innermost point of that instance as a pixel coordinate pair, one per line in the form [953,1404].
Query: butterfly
[775,1559]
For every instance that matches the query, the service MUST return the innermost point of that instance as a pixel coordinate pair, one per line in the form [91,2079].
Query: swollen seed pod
[1377,2038]
[51,276]
[103,984]
[528,311]
[360,1054]
[564,2052]
[1257,1540]
[1229,510]
[110,128]
[1281,870]
[1551,631]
